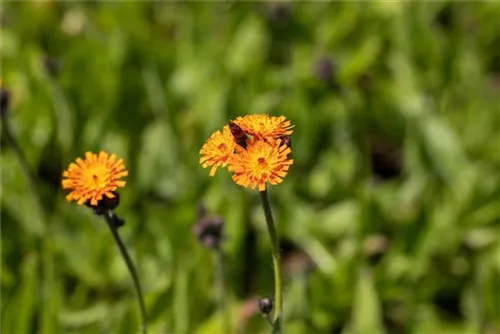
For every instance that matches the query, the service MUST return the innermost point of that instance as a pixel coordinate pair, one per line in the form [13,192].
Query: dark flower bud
[325,69]
[240,137]
[52,66]
[4,103]
[266,305]
[209,231]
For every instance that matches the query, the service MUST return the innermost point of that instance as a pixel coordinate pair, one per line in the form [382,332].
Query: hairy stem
[111,219]
[275,248]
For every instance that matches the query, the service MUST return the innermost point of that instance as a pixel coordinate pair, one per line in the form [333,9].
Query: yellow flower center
[96,179]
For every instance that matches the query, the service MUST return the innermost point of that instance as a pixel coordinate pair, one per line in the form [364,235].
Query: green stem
[221,286]
[113,227]
[11,139]
[275,248]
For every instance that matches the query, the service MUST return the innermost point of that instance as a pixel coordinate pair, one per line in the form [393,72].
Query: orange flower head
[94,177]
[260,163]
[264,126]
[217,150]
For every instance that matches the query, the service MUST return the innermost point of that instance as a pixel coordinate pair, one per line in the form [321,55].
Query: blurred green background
[389,217]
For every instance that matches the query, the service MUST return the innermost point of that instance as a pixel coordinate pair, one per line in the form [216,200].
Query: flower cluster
[255,148]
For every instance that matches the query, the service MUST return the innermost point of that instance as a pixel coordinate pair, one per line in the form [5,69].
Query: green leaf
[366,315]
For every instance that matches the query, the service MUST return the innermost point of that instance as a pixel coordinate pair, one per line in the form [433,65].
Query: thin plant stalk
[269,320]
[277,322]
[111,219]
[11,139]
[221,287]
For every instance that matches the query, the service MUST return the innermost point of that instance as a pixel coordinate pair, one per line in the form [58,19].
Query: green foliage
[394,194]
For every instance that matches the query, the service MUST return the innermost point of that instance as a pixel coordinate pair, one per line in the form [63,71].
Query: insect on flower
[257,151]
[239,135]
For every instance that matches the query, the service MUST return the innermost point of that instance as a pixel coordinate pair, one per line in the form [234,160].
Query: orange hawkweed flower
[217,150]
[260,163]
[94,177]
[264,126]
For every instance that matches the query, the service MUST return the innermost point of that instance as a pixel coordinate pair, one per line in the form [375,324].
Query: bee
[240,137]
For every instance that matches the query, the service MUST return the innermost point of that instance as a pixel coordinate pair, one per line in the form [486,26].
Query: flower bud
[208,230]
[52,66]
[325,70]
[266,305]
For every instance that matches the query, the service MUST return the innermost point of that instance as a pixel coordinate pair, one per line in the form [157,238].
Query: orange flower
[94,177]
[260,163]
[264,126]
[217,150]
